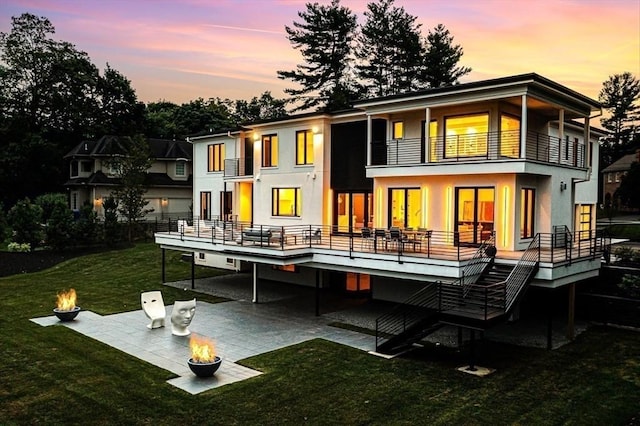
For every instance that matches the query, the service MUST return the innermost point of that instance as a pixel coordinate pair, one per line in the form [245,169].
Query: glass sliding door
[353,211]
[205,205]
[474,214]
[405,207]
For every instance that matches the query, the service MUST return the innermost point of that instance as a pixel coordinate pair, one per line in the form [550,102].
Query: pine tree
[441,59]
[619,96]
[390,50]
[324,37]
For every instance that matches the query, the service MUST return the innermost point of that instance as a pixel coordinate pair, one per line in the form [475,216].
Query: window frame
[397,130]
[303,145]
[272,141]
[215,157]
[527,213]
[275,202]
[464,146]
[184,168]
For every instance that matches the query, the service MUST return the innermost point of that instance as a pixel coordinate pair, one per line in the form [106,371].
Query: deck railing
[490,146]
[558,247]
[236,167]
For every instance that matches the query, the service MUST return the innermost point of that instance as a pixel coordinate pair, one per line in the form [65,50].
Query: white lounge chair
[153,307]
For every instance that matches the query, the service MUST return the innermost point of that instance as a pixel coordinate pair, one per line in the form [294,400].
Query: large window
[215,160]
[304,147]
[433,141]
[205,205]
[527,212]
[404,210]
[509,136]
[397,130]
[286,202]
[466,136]
[585,217]
[475,212]
[270,151]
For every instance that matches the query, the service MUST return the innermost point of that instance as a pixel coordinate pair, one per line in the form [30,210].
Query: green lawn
[52,375]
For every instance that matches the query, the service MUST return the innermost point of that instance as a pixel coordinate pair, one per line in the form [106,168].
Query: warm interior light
[315,129]
[202,349]
[448,213]
[97,202]
[164,202]
[505,217]
[66,300]
[378,201]
[425,206]
[256,136]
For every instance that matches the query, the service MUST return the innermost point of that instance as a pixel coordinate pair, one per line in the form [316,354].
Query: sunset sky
[182,50]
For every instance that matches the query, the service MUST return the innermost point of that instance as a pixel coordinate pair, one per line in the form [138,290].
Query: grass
[629,231]
[52,375]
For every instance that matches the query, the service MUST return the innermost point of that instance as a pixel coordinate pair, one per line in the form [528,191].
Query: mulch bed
[12,263]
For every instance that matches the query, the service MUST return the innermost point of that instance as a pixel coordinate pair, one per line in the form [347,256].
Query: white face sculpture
[181,316]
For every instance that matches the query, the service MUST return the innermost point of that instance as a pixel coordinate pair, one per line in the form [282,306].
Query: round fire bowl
[67,315]
[205,369]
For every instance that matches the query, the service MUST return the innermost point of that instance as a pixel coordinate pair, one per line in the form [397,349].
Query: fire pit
[203,361]
[66,309]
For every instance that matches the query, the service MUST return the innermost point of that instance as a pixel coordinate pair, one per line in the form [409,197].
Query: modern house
[450,201]
[93,176]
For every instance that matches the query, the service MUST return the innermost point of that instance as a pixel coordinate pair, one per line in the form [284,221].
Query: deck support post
[472,350]
[317,292]
[550,325]
[571,331]
[255,283]
[459,338]
[163,267]
[193,270]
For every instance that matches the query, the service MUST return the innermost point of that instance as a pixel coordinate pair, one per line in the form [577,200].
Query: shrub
[630,285]
[24,218]
[59,227]
[87,228]
[49,202]
[625,254]
[19,247]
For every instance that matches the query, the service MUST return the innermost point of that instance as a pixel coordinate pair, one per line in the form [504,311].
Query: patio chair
[153,307]
[367,237]
[309,235]
[395,237]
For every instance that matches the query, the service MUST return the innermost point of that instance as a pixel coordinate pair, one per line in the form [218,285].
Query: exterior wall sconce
[563,186]
[315,130]
[164,202]
[256,137]
[258,177]
[97,202]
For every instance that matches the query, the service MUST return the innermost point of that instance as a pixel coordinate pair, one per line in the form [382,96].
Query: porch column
[561,125]
[255,283]
[587,145]
[571,332]
[369,136]
[523,128]
[427,136]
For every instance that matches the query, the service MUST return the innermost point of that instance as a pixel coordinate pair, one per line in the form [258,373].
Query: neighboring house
[93,177]
[376,200]
[612,176]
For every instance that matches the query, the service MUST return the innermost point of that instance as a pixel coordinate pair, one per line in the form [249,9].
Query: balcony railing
[556,248]
[478,146]
[237,167]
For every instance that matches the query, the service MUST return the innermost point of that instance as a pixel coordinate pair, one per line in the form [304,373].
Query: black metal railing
[522,273]
[479,146]
[236,167]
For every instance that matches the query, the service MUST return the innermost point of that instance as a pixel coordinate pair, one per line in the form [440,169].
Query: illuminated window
[405,207]
[285,268]
[433,140]
[215,158]
[617,177]
[585,212]
[286,202]
[509,136]
[270,151]
[466,136]
[527,209]
[609,177]
[398,130]
[304,147]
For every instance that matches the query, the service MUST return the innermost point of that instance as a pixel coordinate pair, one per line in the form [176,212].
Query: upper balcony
[238,167]
[484,147]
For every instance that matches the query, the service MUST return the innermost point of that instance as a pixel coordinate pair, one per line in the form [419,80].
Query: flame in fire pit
[202,349]
[66,300]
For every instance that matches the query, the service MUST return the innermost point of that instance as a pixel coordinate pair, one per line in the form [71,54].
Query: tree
[51,98]
[390,51]
[627,192]
[619,97]
[325,39]
[441,59]
[111,229]
[133,168]
[25,218]
[263,108]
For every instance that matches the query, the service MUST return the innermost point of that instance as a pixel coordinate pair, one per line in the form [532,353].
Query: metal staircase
[483,296]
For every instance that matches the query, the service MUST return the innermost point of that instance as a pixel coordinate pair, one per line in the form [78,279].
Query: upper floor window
[509,136]
[617,177]
[115,168]
[397,130]
[74,168]
[304,147]
[215,158]
[609,177]
[180,168]
[86,166]
[270,151]
[466,136]
[286,202]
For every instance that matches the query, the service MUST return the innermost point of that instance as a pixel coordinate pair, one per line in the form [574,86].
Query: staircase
[478,300]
